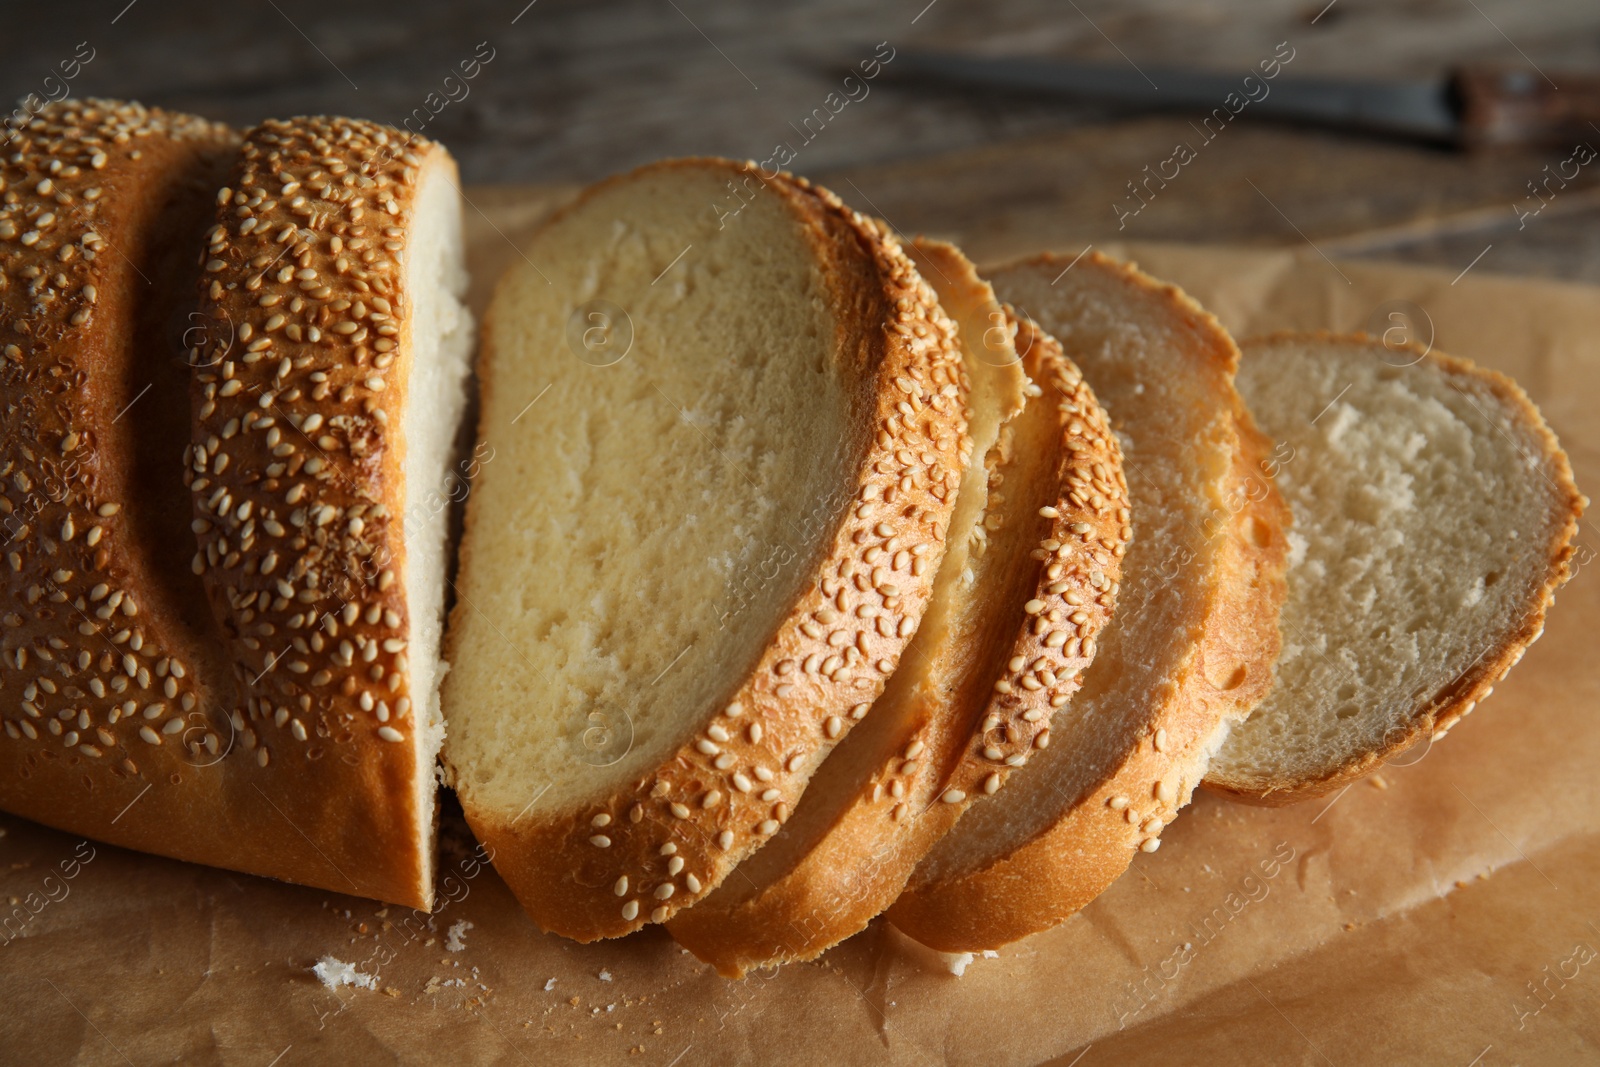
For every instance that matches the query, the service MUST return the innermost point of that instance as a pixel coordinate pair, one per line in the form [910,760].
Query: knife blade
[1474,107]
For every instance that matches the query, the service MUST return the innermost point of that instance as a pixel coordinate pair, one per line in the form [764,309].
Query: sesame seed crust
[958,747]
[296,463]
[114,686]
[101,686]
[734,782]
[1094,837]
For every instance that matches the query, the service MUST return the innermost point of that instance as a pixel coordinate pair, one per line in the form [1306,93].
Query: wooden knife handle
[1514,106]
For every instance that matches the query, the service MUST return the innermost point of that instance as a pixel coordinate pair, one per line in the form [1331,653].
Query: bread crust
[160,757]
[958,747]
[1092,842]
[647,848]
[1434,716]
[297,474]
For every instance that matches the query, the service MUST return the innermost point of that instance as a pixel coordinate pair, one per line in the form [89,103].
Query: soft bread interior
[439,344]
[949,640]
[1165,402]
[672,426]
[1423,513]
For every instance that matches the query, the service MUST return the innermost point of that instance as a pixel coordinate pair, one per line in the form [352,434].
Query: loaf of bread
[729,421]
[1434,514]
[1034,541]
[1190,648]
[243,681]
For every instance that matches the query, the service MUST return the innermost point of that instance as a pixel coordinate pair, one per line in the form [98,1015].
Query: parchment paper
[1443,912]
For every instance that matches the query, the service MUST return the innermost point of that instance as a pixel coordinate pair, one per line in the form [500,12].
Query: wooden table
[567,91]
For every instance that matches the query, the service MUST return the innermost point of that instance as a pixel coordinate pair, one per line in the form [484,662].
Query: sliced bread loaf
[1190,649]
[729,424]
[1434,514]
[285,744]
[996,653]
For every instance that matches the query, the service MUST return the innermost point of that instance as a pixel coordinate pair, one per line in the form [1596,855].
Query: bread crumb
[390,991]
[573,1001]
[1379,782]
[957,962]
[605,976]
[549,985]
[334,973]
[453,940]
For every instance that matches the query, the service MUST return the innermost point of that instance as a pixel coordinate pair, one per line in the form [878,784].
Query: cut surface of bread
[1190,647]
[728,417]
[887,793]
[1434,514]
[199,704]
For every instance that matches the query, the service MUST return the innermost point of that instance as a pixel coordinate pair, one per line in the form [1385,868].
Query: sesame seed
[665,891]
[674,865]
[1161,740]
[630,910]
[1150,844]
[660,914]
[600,841]
[953,796]
[691,883]
[389,733]
[680,811]
[768,826]
[621,888]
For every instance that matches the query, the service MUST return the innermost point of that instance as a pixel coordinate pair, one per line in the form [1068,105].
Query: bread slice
[728,420]
[325,424]
[130,715]
[978,683]
[1190,649]
[1434,517]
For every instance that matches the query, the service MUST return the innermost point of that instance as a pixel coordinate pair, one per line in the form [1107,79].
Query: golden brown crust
[1093,841]
[1441,710]
[1037,639]
[655,845]
[297,476]
[130,738]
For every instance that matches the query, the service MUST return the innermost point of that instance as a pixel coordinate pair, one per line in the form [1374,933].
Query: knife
[1474,107]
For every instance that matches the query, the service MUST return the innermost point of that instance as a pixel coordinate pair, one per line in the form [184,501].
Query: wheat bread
[1190,648]
[728,419]
[995,654]
[137,714]
[1434,514]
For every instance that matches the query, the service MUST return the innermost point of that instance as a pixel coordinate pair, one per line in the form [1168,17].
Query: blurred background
[559,92]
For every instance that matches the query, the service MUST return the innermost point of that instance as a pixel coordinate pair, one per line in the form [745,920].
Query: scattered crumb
[334,973]
[390,991]
[453,941]
[1349,926]
[957,962]
[573,1001]
[605,976]
[551,984]
[990,954]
